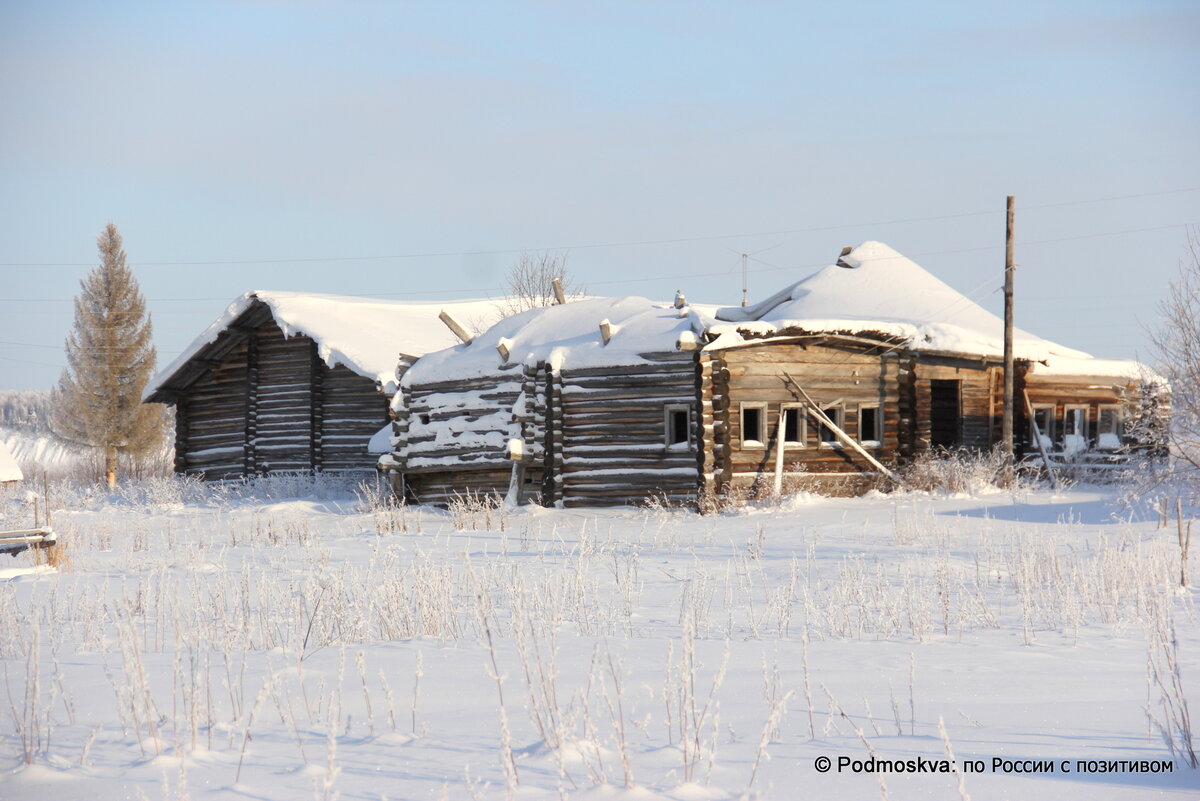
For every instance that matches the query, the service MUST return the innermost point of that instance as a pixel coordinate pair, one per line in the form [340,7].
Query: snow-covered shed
[603,401]
[10,471]
[573,395]
[285,381]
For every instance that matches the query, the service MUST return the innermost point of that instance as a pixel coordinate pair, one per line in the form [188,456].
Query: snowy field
[314,648]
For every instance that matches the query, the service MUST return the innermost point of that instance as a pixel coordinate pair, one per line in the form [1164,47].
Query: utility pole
[1006,428]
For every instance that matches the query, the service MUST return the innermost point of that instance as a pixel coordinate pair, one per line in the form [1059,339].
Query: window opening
[1108,428]
[793,425]
[678,425]
[834,413]
[1044,417]
[869,424]
[752,422]
[1075,420]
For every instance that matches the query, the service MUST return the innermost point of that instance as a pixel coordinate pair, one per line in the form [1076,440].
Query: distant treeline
[25,410]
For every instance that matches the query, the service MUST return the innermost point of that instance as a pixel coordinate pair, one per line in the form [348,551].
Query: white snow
[567,336]
[306,648]
[881,291]
[367,335]
[9,469]
[381,440]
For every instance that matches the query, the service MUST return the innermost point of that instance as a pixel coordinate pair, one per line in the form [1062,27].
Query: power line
[809,266]
[77,347]
[593,246]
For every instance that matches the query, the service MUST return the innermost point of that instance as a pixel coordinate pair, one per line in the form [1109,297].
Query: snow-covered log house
[288,381]
[851,371]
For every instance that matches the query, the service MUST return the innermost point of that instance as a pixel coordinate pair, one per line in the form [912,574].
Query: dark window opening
[834,413]
[868,424]
[677,426]
[792,430]
[751,423]
[1043,418]
[944,412]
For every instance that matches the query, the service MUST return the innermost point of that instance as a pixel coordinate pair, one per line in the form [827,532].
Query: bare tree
[1177,342]
[530,282]
[98,402]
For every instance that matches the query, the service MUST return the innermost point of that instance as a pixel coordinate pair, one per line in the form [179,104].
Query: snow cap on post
[504,348]
[607,330]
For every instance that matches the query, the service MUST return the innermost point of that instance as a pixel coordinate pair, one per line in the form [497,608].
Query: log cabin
[287,381]
[850,372]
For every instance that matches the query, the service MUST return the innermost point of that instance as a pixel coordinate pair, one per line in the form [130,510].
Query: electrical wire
[633,243]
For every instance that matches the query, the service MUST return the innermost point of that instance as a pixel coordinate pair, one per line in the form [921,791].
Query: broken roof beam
[455,327]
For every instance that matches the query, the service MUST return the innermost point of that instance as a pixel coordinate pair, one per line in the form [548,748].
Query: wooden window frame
[839,419]
[754,443]
[1050,435]
[668,426]
[1076,407]
[875,441]
[800,409]
[1115,408]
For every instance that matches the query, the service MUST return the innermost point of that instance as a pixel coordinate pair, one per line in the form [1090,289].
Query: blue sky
[292,136]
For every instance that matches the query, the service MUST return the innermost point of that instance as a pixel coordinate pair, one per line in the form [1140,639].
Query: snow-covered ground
[313,648]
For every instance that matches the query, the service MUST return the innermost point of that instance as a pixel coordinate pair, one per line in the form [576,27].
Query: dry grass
[57,556]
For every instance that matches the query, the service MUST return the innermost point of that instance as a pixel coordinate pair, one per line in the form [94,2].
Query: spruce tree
[98,402]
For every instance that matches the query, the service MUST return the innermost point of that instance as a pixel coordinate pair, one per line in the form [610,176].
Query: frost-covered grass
[229,642]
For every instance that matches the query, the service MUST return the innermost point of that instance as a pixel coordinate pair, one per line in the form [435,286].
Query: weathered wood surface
[269,404]
[17,541]
[756,375]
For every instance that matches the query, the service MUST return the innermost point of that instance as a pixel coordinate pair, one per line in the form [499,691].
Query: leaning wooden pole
[1041,443]
[1006,427]
[819,415]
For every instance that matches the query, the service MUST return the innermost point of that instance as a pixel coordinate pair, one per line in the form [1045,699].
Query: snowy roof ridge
[366,335]
[568,335]
[876,290]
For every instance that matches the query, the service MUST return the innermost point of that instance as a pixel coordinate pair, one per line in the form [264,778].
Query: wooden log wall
[712,421]
[456,436]
[755,375]
[270,404]
[352,410]
[552,456]
[214,420]
[614,447]
[285,401]
[979,399]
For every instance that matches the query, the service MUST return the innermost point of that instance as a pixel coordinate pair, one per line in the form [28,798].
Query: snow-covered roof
[875,290]
[9,469]
[568,335]
[367,335]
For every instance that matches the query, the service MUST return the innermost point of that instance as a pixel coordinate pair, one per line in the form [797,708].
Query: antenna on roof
[745,257]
